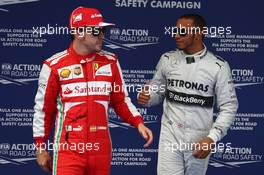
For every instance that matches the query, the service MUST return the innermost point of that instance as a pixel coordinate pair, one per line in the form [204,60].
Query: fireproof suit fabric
[190,85]
[79,89]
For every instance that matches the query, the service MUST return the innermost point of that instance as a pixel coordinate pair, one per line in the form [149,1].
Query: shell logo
[65,73]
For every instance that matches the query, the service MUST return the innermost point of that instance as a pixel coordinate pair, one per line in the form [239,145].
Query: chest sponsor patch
[190,99]
[86,88]
[187,85]
[71,72]
[104,70]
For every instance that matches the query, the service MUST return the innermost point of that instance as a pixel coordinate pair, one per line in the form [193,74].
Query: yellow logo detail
[65,73]
[96,66]
[93,128]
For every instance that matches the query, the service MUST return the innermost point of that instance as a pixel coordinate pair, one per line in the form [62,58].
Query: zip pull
[66,136]
[68,128]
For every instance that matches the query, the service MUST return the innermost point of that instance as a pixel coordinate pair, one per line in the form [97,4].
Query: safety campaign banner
[31,31]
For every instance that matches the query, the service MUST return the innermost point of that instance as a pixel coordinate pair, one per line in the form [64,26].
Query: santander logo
[96,15]
[83,89]
[67,91]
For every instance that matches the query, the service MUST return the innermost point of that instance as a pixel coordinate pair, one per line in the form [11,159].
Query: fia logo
[6,67]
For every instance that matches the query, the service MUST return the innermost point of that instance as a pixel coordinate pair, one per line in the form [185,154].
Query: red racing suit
[79,89]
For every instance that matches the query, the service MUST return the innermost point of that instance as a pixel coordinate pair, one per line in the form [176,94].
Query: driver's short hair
[198,20]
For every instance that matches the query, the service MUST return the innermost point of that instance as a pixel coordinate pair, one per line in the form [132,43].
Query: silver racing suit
[189,85]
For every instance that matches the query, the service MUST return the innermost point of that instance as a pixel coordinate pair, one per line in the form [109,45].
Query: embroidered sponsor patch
[104,71]
[86,88]
[65,73]
[77,70]
[71,72]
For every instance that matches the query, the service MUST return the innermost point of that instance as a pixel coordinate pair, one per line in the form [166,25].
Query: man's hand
[203,148]
[144,96]
[44,160]
[146,134]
